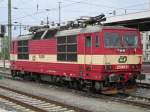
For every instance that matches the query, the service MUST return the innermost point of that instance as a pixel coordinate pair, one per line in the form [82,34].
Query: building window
[97,41]
[23,49]
[67,48]
[88,41]
[147,46]
[146,57]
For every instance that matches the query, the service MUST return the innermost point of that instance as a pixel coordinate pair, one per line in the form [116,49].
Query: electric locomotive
[83,55]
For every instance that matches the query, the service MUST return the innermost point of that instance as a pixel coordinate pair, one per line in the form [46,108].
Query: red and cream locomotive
[103,58]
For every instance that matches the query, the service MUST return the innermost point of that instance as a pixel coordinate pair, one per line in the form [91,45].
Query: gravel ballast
[71,98]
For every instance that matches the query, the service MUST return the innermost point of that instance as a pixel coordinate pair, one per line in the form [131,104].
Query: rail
[35,103]
[125,98]
[144,85]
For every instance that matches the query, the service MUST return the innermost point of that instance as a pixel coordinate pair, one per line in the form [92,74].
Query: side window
[97,41]
[23,50]
[88,41]
[61,48]
[67,48]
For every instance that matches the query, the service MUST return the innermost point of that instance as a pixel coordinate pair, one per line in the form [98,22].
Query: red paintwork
[42,47]
[72,70]
[13,47]
[102,50]
[96,72]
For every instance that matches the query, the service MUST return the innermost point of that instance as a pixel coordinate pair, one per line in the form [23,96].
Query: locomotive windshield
[112,40]
[116,40]
[130,40]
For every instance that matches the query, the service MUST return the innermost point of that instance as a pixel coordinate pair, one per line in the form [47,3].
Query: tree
[5,51]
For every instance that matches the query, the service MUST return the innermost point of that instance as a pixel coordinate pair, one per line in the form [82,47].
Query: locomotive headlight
[108,67]
[121,50]
[135,66]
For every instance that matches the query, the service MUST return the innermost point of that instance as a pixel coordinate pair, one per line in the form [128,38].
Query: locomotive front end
[122,59]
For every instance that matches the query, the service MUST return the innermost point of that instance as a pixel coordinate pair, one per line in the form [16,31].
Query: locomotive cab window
[88,41]
[130,40]
[112,40]
[67,48]
[97,41]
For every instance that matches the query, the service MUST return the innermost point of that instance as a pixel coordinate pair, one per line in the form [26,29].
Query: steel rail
[133,101]
[43,101]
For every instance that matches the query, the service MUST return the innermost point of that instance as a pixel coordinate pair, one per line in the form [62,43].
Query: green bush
[5,50]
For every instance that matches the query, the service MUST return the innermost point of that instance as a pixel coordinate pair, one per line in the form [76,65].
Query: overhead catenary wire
[41,11]
[47,10]
[87,3]
[44,11]
[106,6]
[68,5]
[32,17]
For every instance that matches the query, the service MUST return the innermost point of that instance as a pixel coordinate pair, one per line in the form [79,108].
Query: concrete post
[149,5]
[9,25]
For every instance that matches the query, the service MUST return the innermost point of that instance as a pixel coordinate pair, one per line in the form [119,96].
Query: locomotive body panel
[87,55]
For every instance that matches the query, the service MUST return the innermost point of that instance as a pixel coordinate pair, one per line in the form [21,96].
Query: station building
[146,46]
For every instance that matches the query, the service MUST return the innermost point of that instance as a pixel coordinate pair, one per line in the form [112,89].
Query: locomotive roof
[76,31]
[23,37]
[88,29]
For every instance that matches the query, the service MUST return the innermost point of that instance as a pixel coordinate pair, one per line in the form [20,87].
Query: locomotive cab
[123,57]
[112,58]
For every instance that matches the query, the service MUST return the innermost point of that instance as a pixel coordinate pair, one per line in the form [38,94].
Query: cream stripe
[13,57]
[43,58]
[84,59]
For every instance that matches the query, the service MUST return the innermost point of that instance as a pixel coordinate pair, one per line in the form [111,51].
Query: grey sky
[27,12]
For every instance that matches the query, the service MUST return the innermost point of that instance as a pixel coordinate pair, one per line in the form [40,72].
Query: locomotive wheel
[98,85]
[75,85]
[38,78]
[70,84]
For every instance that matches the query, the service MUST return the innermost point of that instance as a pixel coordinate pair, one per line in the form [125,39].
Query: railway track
[134,100]
[125,98]
[121,98]
[31,103]
[144,85]
[11,106]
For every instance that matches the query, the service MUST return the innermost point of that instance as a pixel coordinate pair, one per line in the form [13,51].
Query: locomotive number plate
[122,67]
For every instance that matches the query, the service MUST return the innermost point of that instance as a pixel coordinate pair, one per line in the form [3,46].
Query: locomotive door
[12,51]
[88,53]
